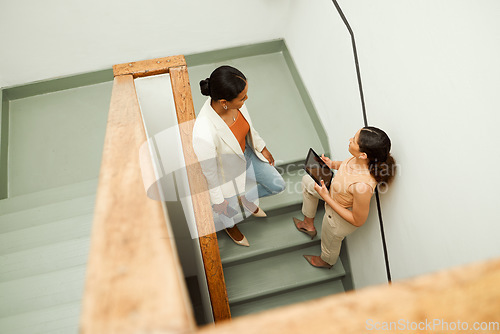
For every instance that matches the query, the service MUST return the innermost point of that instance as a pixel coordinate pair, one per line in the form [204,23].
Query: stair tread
[290,196]
[45,197]
[282,272]
[290,297]
[42,291]
[40,235]
[46,259]
[59,319]
[47,213]
[267,235]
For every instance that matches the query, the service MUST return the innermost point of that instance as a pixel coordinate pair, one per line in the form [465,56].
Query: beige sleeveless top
[339,189]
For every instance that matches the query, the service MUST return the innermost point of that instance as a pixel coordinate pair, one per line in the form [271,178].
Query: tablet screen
[317,169]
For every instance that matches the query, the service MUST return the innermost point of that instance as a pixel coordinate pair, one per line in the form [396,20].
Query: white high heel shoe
[242,242]
[256,212]
[259,213]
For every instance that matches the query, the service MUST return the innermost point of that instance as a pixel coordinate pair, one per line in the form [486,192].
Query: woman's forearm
[343,212]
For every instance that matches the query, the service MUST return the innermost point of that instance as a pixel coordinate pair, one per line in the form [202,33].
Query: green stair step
[45,197]
[59,319]
[272,234]
[309,292]
[47,213]
[46,259]
[287,271]
[37,236]
[290,196]
[42,291]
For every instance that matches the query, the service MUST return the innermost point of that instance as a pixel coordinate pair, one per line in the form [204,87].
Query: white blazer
[220,154]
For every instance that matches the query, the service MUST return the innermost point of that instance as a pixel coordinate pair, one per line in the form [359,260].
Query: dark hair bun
[205,86]
[225,82]
[377,144]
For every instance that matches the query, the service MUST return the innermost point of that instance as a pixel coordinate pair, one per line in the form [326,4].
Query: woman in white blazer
[234,158]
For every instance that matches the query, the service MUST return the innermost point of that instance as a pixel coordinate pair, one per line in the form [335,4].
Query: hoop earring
[225,107]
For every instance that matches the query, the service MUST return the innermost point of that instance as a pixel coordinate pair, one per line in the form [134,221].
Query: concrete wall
[48,39]
[430,76]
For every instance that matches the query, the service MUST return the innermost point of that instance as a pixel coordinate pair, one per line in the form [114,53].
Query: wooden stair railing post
[199,194]
[176,67]
[134,282]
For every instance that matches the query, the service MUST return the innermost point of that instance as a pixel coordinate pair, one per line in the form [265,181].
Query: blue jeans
[268,180]
[262,180]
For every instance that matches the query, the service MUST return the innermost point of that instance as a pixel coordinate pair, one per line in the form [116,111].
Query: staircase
[272,272]
[44,244]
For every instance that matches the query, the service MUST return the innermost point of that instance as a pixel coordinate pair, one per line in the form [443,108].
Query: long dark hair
[377,145]
[225,83]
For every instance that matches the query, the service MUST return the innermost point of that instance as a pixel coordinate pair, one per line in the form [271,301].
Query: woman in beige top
[347,204]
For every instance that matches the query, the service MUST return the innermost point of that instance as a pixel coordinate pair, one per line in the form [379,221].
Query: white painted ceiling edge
[56,38]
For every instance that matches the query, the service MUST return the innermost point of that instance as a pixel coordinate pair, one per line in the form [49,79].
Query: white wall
[431,79]
[321,47]
[52,38]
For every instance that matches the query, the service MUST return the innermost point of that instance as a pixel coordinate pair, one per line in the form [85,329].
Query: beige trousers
[334,228]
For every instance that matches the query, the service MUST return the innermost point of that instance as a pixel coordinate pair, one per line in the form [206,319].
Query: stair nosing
[301,242]
[85,240]
[338,272]
[26,215]
[241,309]
[228,262]
[11,204]
[76,231]
[242,299]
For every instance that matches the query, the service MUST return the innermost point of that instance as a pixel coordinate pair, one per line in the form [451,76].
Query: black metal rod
[365,119]
[355,53]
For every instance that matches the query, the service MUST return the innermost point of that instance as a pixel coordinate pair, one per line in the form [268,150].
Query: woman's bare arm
[362,194]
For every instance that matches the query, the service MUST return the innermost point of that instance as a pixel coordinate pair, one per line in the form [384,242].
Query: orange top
[240,129]
[343,179]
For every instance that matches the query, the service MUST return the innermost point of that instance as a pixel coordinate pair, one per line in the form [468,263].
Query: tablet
[317,169]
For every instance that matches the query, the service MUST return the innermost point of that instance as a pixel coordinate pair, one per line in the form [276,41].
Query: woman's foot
[236,235]
[254,209]
[317,261]
[306,226]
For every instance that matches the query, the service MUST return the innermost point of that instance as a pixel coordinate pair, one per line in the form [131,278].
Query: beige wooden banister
[133,283]
[468,294]
[134,279]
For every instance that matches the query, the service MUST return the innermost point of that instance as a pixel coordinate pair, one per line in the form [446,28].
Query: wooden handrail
[465,296]
[145,68]
[134,278]
[134,282]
